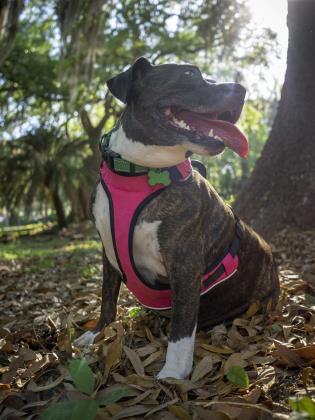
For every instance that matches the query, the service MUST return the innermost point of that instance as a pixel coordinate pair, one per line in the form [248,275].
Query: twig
[247,405]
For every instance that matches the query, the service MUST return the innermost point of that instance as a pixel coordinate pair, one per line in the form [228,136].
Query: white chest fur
[146,250]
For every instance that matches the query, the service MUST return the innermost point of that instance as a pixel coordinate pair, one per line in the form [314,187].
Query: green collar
[121,166]
[115,161]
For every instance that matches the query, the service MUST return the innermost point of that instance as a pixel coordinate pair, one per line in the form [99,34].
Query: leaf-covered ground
[50,293]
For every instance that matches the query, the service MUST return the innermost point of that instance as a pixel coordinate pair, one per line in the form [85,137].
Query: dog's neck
[151,156]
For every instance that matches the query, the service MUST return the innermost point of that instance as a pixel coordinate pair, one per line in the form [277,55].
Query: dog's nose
[233,89]
[239,89]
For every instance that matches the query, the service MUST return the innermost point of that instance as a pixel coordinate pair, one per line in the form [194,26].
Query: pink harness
[127,196]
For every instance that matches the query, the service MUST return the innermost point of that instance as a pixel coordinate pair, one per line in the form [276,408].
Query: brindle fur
[207,233]
[196,227]
[187,248]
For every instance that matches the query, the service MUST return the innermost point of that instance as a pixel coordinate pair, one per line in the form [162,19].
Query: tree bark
[84,197]
[61,218]
[9,16]
[94,134]
[281,189]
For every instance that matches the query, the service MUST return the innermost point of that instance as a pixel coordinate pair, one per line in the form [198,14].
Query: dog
[165,231]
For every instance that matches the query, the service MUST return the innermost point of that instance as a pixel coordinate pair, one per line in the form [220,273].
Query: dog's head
[170,104]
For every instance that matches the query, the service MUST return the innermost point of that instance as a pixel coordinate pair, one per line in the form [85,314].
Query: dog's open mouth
[217,126]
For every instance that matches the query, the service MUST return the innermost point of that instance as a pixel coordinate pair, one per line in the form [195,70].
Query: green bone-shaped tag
[156,176]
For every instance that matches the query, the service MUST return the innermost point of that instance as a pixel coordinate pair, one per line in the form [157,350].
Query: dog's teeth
[181,124]
[218,138]
[211,133]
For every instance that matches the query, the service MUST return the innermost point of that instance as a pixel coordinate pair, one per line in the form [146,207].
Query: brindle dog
[173,111]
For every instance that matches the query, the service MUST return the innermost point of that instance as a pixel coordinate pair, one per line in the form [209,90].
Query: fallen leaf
[27,354]
[139,398]
[135,360]
[237,376]
[235,359]
[38,365]
[184,385]
[152,358]
[217,349]
[136,410]
[179,412]
[113,355]
[71,410]
[204,414]
[287,356]
[253,396]
[114,409]
[90,324]
[82,375]
[308,373]
[307,352]
[36,388]
[111,396]
[203,367]
[146,350]
[6,345]
[143,381]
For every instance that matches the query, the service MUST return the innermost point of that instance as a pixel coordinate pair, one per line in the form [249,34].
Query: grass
[14,232]
[22,249]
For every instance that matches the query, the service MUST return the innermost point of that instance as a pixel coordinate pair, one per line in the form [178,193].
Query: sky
[273,14]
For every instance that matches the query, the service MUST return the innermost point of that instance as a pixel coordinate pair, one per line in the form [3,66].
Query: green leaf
[303,405]
[276,327]
[71,410]
[134,312]
[310,298]
[237,376]
[82,375]
[110,397]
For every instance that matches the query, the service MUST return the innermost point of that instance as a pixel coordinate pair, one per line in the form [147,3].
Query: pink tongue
[231,136]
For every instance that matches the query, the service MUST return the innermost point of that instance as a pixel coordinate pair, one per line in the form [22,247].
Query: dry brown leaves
[41,312]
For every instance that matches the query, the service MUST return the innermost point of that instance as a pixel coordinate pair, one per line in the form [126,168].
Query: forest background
[54,106]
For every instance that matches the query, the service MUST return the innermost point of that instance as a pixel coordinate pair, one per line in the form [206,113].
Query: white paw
[179,358]
[168,372]
[85,339]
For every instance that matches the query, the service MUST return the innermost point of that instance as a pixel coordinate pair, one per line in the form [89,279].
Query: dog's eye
[191,73]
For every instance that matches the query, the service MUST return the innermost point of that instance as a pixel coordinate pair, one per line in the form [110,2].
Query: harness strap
[229,263]
[143,184]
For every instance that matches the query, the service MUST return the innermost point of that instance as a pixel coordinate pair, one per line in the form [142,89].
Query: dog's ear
[120,85]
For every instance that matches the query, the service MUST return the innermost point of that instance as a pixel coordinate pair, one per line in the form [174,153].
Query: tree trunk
[94,134]
[281,189]
[85,195]
[61,218]
[9,15]
[13,217]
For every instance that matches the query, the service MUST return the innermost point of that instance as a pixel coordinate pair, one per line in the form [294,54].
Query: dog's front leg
[185,307]
[110,292]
